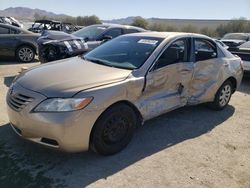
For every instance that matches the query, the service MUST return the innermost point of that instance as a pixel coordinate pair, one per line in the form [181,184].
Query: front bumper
[68,131]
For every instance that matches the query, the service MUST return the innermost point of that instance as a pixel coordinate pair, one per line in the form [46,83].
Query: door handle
[186,70]
[180,88]
[226,64]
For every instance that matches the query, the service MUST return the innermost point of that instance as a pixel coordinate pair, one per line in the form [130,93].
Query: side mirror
[214,55]
[86,39]
[106,37]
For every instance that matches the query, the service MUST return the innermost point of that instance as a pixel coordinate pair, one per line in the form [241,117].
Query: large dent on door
[207,77]
[165,90]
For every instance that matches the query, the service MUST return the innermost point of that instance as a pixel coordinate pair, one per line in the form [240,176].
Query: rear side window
[177,52]
[4,30]
[114,33]
[204,50]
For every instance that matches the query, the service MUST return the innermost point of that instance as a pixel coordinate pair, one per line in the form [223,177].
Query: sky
[113,9]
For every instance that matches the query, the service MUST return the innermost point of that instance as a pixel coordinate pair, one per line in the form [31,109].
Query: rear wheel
[113,130]
[223,96]
[25,54]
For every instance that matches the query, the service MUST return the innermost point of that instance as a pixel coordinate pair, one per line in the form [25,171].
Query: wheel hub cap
[115,130]
[225,95]
[26,54]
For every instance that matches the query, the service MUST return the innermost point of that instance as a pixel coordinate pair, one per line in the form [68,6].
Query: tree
[36,16]
[240,25]
[140,22]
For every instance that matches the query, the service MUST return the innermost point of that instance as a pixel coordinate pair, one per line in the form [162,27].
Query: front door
[168,82]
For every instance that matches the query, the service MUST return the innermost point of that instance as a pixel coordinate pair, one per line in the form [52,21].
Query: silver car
[96,101]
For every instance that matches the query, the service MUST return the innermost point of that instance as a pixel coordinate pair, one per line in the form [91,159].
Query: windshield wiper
[106,63]
[98,61]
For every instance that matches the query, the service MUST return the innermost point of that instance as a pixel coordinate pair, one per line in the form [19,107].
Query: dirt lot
[190,147]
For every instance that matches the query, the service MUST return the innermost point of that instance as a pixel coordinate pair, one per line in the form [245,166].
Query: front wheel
[113,130]
[222,96]
[48,54]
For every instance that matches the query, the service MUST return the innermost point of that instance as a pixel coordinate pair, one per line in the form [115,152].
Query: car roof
[168,34]
[110,25]
[239,33]
[15,28]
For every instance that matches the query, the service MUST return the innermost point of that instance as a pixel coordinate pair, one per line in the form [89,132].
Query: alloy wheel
[26,54]
[225,95]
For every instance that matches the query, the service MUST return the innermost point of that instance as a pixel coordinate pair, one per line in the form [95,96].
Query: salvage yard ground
[189,147]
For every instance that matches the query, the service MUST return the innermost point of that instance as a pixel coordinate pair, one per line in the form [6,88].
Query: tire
[25,54]
[113,130]
[47,54]
[222,96]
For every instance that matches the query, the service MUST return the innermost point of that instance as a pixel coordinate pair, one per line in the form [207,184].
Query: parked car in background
[233,40]
[18,43]
[11,21]
[243,51]
[42,25]
[58,45]
[96,101]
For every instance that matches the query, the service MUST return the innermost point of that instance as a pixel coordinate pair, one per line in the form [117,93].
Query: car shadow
[8,80]
[245,85]
[11,61]
[82,169]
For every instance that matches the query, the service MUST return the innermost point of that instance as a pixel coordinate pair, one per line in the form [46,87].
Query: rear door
[168,82]
[208,69]
[7,41]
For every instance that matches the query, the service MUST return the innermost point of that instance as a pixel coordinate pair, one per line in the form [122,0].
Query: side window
[4,30]
[128,31]
[114,33]
[177,52]
[13,31]
[204,50]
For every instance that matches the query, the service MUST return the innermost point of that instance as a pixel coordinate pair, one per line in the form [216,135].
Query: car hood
[67,77]
[56,36]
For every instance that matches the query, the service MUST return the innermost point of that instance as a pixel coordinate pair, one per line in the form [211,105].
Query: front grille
[18,101]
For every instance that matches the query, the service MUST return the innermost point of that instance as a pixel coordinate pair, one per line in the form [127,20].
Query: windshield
[127,52]
[236,36]
[90,32]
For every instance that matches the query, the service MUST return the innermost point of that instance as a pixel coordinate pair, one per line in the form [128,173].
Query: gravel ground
[189,147]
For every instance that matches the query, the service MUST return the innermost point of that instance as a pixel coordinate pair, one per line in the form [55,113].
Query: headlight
[63,105]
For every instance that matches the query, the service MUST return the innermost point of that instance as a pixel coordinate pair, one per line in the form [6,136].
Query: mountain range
[27,14]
